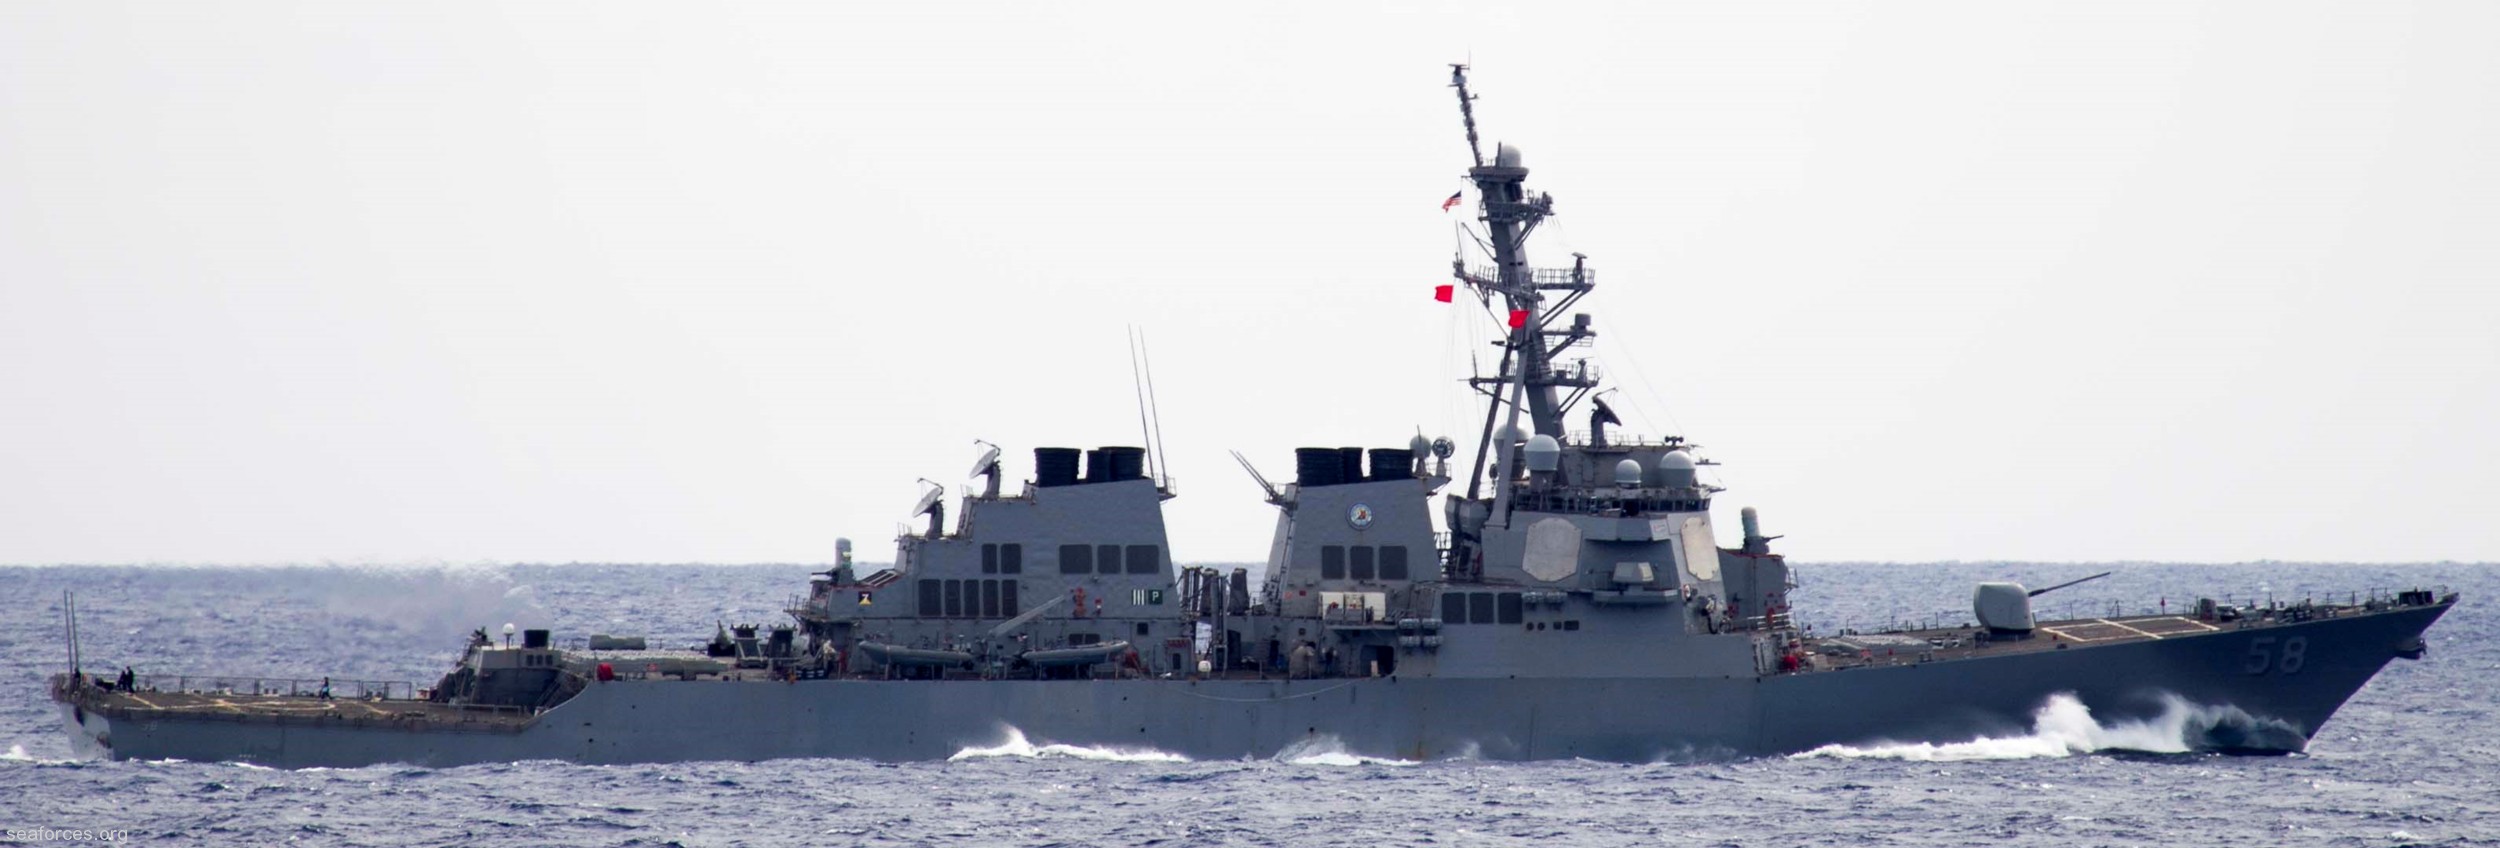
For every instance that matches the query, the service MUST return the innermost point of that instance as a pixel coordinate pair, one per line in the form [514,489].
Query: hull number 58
[2283,656]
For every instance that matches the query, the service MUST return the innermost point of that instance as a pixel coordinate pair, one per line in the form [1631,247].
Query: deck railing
[2258,604]
[228,684]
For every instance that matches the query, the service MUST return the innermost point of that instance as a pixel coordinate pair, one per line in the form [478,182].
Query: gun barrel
[2038,592]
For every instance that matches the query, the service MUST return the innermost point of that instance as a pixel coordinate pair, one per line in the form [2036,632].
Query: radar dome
[1544,454]
[1509,434]
[1628,474]
[1676,470]
[1419,445]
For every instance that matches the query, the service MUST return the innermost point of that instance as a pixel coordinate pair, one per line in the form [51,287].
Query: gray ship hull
[2275,704]
[2282,695]
[1573,600]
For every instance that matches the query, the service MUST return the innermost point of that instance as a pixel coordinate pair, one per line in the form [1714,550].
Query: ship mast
[1528,384]
[1510,213]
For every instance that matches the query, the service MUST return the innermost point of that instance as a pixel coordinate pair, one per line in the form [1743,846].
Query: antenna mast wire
[1145,355]
[1137,379]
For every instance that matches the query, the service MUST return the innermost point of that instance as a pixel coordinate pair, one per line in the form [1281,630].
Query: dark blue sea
[2414,759]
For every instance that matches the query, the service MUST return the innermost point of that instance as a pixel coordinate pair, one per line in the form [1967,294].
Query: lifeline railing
[228,684]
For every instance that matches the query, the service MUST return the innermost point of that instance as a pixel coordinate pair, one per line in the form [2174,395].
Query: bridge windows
[1144,559]
[1332,562]
[930,598]
[1480,608]
[1360,561]
[954,598]
[1076,559]
[1506,608]
[1107,558]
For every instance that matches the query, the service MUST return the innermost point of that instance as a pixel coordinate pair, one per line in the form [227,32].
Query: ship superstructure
[1572,599]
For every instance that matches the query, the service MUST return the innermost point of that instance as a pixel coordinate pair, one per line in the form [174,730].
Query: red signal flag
[1518,318]
[1444,293]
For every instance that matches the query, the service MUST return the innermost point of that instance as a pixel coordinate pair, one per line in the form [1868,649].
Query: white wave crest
[1018,746]
[1328,750]
[17,754]
[2063,727]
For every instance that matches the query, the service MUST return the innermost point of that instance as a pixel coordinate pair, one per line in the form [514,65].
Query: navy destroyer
[1563,594]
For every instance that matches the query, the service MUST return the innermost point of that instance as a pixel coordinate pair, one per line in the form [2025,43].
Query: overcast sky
[676,282]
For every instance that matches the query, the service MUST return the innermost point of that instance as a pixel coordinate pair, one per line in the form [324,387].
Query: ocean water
[2414,759]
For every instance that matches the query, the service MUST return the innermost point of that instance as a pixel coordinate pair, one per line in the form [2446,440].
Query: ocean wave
[2064,727]
[1328,750]
[1016,745]
[17,754]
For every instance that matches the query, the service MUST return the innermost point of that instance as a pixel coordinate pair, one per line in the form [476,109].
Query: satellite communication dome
[1544,454]
[1676,468]
[1509,434]
[1628,474]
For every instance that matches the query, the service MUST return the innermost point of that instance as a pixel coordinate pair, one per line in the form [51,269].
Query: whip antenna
[1155,407]
[1149,412]
[1137,378]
